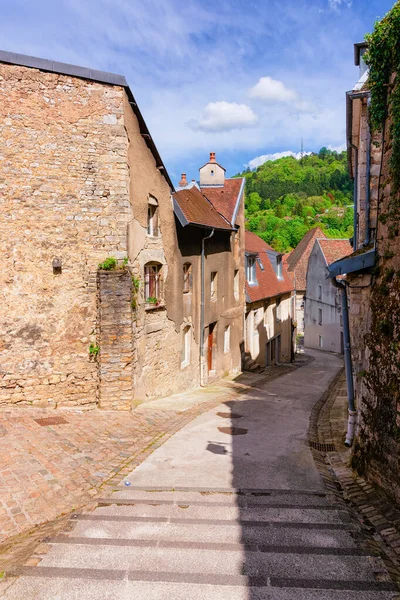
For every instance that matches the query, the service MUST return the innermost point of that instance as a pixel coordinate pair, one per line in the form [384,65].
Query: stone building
[269,330]
[323,325]
[296,263]
[82,185]
[210,226]
[373,289]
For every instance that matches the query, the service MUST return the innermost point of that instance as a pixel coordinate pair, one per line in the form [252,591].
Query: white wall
[331,329]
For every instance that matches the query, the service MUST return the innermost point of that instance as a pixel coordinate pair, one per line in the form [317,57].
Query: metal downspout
[367,183]
[355,193]
[207,237]
[352,419]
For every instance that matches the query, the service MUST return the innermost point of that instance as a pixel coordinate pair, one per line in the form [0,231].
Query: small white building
[323,327]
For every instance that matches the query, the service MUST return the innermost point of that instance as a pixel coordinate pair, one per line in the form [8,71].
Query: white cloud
[272,90]
[339,148]
[224,116]
[260,160]
[336,4]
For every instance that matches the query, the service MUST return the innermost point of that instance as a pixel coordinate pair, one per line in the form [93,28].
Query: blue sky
[245,79]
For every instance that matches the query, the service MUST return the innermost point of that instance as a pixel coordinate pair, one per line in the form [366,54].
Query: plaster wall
[212,174]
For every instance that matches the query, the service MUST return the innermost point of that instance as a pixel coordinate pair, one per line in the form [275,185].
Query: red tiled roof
[297,261]
[225,197]
[268,283]
[197,210]
[335,249]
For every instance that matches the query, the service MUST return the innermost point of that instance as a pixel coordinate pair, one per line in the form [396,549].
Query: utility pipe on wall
[352,419]
[202,365]
[355,193]
[367,183]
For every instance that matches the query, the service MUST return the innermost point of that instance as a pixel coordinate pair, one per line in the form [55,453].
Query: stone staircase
[248,364]
[209,544]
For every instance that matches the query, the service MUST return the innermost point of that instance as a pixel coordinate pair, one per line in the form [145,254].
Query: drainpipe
[355,193]
[352,419]
[367,183]
[207,237]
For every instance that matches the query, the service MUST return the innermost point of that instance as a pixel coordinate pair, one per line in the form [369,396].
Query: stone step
[225,513]
[73,586]
[279,497]
[236,533]
[161,563]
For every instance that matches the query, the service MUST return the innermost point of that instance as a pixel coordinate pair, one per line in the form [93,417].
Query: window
[152,218]
[236,284]
[320,343]
[185,355]
[251,270]
[152,283]
[320,316]
[187,278]
[279,267]
[214,283]
[319,291]
[212,173]
[227,339]
[260,263]
[278,309]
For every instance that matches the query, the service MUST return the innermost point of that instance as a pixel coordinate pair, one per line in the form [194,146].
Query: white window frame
[320,341]
[251,270]
[153,229]
[186,346]
[227,339]
[214,286]
[236,284]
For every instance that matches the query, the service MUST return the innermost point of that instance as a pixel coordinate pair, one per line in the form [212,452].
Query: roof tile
[297,261]
[225,197]
[197,210]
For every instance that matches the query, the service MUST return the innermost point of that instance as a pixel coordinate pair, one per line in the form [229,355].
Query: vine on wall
[383,60]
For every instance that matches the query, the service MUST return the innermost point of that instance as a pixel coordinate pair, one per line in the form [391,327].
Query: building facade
[94,303]
[269,328]
[323,324]
[296,263]
[373,288]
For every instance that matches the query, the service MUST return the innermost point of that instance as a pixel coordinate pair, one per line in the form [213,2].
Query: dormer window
[212,173]
[260,263]
[251,270]
[152,218]
[279,267]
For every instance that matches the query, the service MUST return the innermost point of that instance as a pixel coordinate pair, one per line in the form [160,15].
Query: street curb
[380,526]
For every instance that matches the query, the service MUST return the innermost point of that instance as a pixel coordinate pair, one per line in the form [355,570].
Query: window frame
[187,278]
[153,229]
[186,346]
[227,339]
[153,270]
[214,286]
[251,270]
[236,280]
[278,305]
[320,316]
[319,291]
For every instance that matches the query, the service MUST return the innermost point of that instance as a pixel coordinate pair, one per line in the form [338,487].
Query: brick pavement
[49,471]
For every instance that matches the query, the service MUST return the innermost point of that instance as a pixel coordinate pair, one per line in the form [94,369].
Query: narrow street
[231,507]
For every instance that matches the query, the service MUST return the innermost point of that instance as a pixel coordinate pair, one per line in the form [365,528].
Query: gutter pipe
[352,419]
[367,183]
[202,365]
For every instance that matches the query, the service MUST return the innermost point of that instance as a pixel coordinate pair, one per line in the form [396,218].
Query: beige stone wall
[63,194]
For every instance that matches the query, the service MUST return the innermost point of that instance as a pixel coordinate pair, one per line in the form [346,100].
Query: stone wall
[64,194]
[375,332]
[115,338]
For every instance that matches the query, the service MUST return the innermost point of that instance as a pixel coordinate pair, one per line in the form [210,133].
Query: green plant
[125,261]
[109,264]
[94,349]
[135,290]
[152,300]
[383,59]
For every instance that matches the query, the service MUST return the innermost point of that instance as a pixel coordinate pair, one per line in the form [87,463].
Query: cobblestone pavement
[49,470]
[371,506]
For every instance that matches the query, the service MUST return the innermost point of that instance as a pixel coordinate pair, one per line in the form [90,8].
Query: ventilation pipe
[367,183]
[202,361]
[352,418]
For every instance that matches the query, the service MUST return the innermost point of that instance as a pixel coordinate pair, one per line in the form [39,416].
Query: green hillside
[287,197]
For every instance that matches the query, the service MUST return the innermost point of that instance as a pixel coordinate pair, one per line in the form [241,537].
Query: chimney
[212,156]
[183,182]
